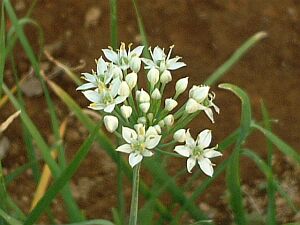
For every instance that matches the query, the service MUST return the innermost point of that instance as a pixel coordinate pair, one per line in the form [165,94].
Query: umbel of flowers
[143,117]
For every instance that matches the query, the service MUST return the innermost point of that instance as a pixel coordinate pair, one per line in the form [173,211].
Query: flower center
[197,152]
[138,146]
[107,98]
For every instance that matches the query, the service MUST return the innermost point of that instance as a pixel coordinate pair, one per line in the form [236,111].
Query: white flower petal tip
[126,148]
[170,104]
[180,135]
[181,85]
[190,164]
[111,123]
[206,166]
[134,159]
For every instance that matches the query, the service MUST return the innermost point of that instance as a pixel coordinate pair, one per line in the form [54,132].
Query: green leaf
[233,169]
[10,220]
[281,145]
[61,181]
[235,57]
[113,23]
[92,222]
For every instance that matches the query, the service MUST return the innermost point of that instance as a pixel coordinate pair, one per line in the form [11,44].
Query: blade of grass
[10,220]
[235,57]
[281,145]
[265,169]
[92,222]
[271,214]
[113,24]
[72,208]
[2,46]
[233,168]
[141,29]
[64,177]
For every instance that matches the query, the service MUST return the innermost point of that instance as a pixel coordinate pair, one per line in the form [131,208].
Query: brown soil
[205,33]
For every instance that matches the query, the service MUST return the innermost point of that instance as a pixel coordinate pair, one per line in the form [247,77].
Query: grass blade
[92,222]
[281,145]
[61,181]
[10,220]
[233,169]
[142,29]
[113,23]
[271,213]
[2,46]
[235,57]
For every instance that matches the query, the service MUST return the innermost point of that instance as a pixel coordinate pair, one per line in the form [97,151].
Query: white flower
[123,58]
[156,95]
[111,123]
[162,61]
[126,111]
[131,80]
[180,135]
[153,76]
[197,151]
[204,100]
[166,77]
[192,106]
[170,104]
[181,85]
[139,143]
[104,98]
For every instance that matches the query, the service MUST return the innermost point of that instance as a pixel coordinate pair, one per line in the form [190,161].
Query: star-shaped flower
[123,58]
[198,151]
[162,61]
[139,143]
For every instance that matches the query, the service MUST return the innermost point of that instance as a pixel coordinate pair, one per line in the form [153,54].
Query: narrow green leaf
[2,47]
[281,145]
[92,222]
[271,213]
[61,181]
[235,57]
[142,29]
[233,168]
[10,220]
[113,23]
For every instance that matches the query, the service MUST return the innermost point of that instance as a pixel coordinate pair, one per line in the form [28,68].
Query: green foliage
[163,183]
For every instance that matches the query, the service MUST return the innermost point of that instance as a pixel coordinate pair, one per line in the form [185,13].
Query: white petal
[148,62]
[110,55]
[190,163]
[89,77]
[86,86]
[206,166]
[210,114]
[158,54]
[211,153]
[190,140]
[109,108]
[120,99]
[101,66]
[135,158]
[115,85]
[128,134]
[182,150]
[92,96]
[175,66]
[151,131]
[138,50]
[152,141]
[147,153]
[97,106]
[126,148]
[204,138]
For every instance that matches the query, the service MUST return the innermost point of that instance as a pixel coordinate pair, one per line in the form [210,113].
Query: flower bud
[131,80]
[126,111]
[156,95]
[199,93]
[135,64]
[142,120]
[124,89]
[170,104]
[169,120]
[181,85]
[111,123]
[157,128]
[161,123]
[150,116]
[166,77]
[153,76]
[144,106]
[192,106]
[180,135]
[143,96]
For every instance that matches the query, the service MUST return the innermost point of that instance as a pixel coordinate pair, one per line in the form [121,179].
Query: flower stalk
[135,195]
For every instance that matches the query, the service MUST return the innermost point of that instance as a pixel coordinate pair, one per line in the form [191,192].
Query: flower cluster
[142,117]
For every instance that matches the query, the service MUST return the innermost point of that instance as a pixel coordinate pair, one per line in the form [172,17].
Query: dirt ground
[205,33]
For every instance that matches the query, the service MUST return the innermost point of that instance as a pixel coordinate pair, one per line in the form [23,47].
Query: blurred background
[205,33]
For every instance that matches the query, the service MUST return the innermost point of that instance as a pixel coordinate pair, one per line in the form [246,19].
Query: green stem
[135,195]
